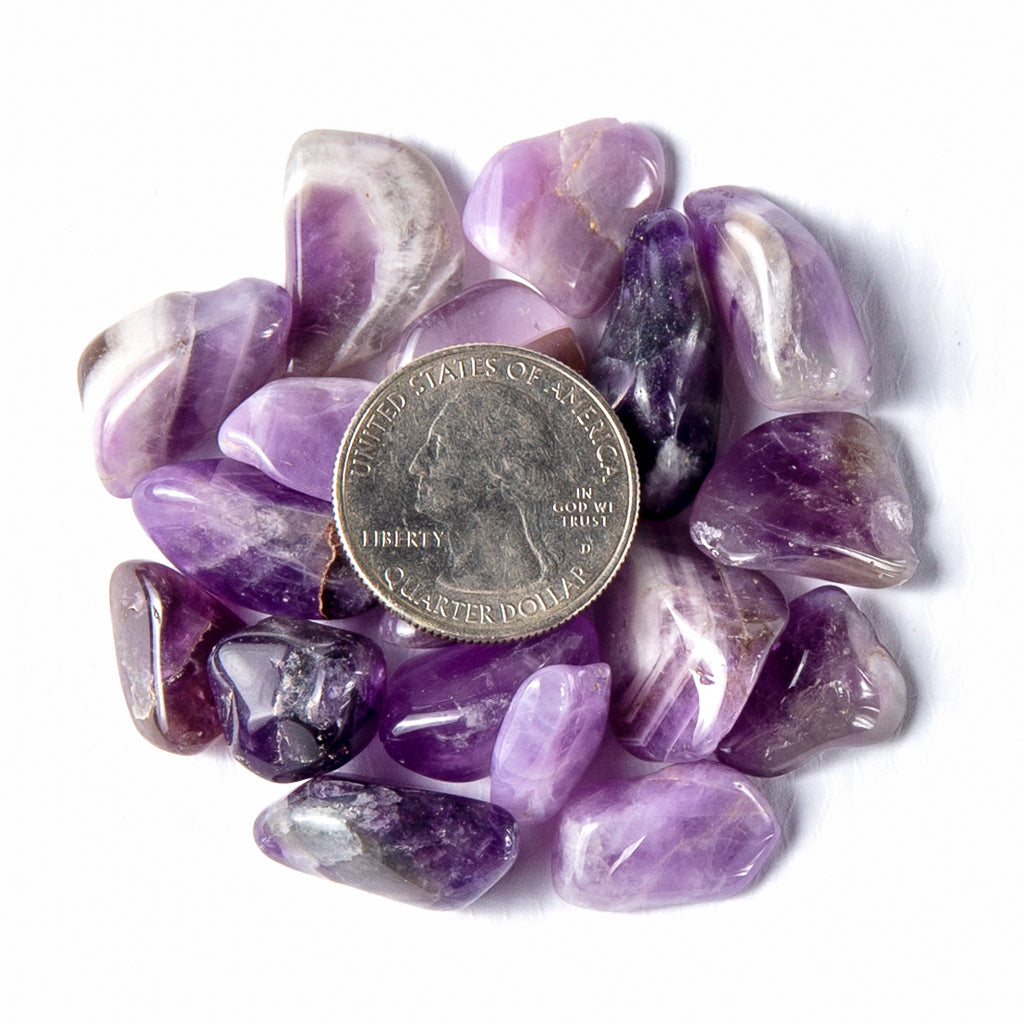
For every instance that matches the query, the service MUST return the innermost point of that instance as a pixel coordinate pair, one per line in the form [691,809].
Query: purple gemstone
[659,363]
[249,540]
[442,710]
[816,494]
[433,850]
[291,430]
[549,736]
[685,639]
[796,339]
[373,240]
[687,833]
[156,386]
[164,628]
[399,633]
[296,698]
[827,682]
[557,209]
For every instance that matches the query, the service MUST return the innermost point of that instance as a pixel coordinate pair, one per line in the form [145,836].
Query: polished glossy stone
[372,240]
[817,494]
[659,363]
[685,639]
[687,833]
[296,698]
[827,682]
[557,209]
[399,633]
[781,303]
[156,385]
[249,540]
[435,850]
[549,736]
[164,629]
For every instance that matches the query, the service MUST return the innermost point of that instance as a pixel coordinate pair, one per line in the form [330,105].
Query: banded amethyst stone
[373,240]
[442,710]
[249,540]
[557,209]
[296,698]
[433,850]
[781,302]
[164,629]
[659,363]
[816,494]
[685,639]
[827,682]
[687,833]
[156,385]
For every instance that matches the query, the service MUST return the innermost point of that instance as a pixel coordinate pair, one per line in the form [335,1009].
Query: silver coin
[486,492]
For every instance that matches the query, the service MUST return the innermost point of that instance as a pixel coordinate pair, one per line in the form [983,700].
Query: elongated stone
[816,494]
[442,710]
[249,540]
[659,363]
[685,639]
[291,430]
[372,240]
[549,736]
[781,302]
[504,312]
[827,682]
[156,385]
[435,850]
[296,698]
[164,629]
[557,209]
[687,833]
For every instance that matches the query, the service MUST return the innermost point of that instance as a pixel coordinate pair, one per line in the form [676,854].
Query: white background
[144,146]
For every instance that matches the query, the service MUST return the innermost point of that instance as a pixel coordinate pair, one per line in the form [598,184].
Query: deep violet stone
[434,850]
[164,629]
[687,833]
[249,540]
[827,682]
[557,209]
[816,494]
[659,363]
[442,710]
[156,385]
[296,698]
[398,633]
[781,302]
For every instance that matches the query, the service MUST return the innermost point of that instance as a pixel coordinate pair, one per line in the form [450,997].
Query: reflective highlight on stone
[549,736]
[399,633]
[685,639]
[659,363]
[781,302]
[249,540]
[687,833]
[372,239]
[827,682]
[433,850]
[817,494]
[156,385]
[164,629]
[557,209]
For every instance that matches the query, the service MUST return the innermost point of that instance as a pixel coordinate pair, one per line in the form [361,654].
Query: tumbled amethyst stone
[296,698]
[156,385]
[816,494]
[164,629]
[398,633]
[557,209]
[442,710]
[687,833]
[827,682]
[249,540]
[435,850]
[659,363]
[781,303]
